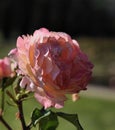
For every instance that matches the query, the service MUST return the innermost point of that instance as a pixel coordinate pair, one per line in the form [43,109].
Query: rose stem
[21,115]
[5,123]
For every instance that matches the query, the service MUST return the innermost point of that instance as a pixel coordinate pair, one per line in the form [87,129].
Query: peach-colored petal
[31,55]
[46,100]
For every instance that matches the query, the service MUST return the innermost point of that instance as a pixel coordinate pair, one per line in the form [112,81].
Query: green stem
[21,115]
[2,120]
[5,123]
[2,100]
[11,96]
[19,104]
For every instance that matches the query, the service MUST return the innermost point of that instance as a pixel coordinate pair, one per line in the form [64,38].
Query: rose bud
[5,68]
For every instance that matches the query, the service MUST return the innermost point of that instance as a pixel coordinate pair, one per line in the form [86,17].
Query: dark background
[90,22]
[76,17]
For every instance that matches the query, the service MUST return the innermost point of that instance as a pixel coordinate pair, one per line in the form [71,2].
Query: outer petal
[26,82]
[47,101]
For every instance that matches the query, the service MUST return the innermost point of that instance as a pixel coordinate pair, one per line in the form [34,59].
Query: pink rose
[53,65]
[5,68]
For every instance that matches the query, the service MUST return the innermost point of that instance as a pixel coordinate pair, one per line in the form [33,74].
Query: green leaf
[49,122]
[47,119]
[73,118]
[37,115]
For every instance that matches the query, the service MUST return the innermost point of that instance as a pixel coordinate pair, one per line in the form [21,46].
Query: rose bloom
[52,65]
[5,68]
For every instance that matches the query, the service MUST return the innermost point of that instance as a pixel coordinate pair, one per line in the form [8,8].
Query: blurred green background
[92,24]
[95,112]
